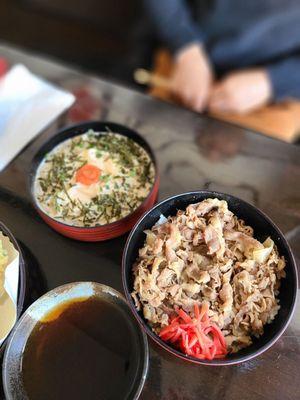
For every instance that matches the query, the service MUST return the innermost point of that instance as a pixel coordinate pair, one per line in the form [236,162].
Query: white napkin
[27,105]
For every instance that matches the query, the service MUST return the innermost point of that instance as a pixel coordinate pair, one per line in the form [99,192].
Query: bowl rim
[164,345]
[22,280]
[69,129]
[105,288]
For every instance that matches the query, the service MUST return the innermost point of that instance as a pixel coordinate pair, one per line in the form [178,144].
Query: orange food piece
[88,174]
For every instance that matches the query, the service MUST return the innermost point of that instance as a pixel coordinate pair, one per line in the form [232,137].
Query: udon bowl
[263,227]
[100,232]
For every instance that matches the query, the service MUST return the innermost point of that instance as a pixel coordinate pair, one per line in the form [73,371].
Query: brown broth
[81,350]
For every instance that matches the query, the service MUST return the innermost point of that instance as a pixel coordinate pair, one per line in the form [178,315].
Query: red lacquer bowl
[101,232]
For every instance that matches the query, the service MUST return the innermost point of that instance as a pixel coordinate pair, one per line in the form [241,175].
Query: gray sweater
[237,34]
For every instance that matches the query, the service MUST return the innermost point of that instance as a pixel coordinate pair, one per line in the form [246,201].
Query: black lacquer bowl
[263,227]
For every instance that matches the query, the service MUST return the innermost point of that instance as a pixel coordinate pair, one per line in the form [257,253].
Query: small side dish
[94,179]
[9,282]
[3,265]
[203,282]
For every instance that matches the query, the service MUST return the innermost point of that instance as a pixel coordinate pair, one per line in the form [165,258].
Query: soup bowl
[48,304]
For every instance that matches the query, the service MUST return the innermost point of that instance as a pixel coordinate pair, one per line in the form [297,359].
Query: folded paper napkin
[27,105]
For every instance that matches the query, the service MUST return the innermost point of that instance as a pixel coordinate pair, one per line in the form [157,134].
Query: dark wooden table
[193,152]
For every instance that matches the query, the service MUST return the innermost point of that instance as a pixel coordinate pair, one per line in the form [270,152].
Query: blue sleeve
[173,22]
[285,78]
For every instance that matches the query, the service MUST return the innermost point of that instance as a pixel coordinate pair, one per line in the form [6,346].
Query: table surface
[193,152]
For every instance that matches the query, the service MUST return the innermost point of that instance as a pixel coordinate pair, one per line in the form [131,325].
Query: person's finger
[186,97]
[200,99]
[192,96]
[199,102]
[218,100]
[217,90]
[220,105]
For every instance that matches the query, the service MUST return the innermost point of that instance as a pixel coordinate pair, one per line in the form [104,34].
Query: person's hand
[241,92]
[192,77]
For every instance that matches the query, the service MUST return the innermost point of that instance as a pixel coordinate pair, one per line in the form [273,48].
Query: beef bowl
[210,278]
[93,181]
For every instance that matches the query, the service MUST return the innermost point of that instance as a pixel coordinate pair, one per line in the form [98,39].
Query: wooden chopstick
[145,77]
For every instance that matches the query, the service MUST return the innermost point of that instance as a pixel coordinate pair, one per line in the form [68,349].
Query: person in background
[231,55]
